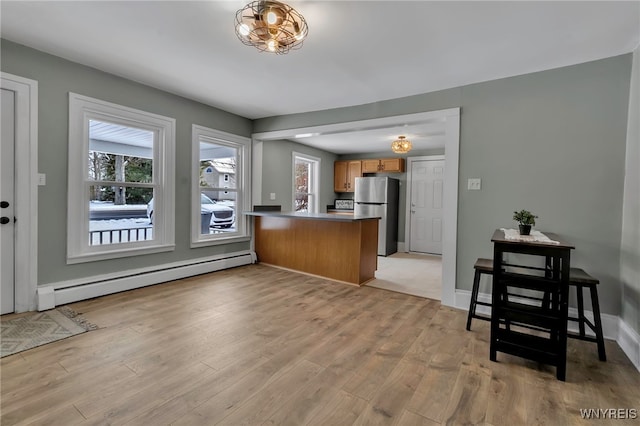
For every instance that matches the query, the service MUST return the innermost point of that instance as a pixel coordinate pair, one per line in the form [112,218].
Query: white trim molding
[629,341]
[59,293]
[220,143]
[314,190]
[83,109]
[26,193]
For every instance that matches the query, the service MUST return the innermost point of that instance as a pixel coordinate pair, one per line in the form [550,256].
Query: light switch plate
[272,196]
[474,184]
[42,179]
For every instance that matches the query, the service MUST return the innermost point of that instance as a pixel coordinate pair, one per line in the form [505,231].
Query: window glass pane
[217,211]
[111,223]
[119,153]
[302,202]
[302,176]
[218,166]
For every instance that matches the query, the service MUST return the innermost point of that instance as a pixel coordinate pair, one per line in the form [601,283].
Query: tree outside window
[305,183]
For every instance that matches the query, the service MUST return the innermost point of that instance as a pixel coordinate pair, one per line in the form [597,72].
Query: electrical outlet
[474,184]
[272,196]
[42,179]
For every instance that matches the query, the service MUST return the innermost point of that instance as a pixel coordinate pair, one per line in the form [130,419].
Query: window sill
[118,253]
[220,241]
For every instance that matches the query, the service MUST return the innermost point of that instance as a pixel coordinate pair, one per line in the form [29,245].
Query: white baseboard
[629,341]
[613,327]
[100,285]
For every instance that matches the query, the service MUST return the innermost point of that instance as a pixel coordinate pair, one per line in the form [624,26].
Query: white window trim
[316,182]
[81,110]
[243,190]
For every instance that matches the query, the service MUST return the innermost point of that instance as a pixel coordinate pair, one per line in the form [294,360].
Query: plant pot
[525,229]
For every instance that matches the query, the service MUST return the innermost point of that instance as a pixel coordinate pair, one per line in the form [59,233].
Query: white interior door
[7,227]
[427,188]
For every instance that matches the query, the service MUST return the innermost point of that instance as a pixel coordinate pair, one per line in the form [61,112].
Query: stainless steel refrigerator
[378,196]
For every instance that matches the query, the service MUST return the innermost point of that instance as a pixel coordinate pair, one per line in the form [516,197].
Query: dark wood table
[540,302]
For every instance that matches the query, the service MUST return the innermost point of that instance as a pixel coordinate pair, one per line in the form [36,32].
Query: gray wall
[552,142]
[56,77]
[630,247]
[402,177]
[277,173]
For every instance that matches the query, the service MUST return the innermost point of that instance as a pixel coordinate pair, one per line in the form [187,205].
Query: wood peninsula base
[337,247]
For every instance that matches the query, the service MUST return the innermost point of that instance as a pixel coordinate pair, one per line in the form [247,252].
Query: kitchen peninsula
[338,247]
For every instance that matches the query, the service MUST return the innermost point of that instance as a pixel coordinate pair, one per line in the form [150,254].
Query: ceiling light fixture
[401,145]
[271,26]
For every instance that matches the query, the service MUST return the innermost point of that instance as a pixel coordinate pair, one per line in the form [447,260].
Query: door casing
[26,189]
[7,230]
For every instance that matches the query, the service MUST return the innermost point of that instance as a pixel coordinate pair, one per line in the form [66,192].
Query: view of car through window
[222,215]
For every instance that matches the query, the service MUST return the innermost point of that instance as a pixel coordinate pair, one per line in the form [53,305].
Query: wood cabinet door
[370,166]
[354,171]
[392,164]
[340,176]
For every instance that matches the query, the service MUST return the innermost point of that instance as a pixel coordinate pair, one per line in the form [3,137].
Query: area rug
[40,328]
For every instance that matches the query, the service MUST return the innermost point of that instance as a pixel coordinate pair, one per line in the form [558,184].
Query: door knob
[413,211]
[4,204]
[4,220]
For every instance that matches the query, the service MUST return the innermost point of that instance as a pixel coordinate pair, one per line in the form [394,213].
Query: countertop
[315,216]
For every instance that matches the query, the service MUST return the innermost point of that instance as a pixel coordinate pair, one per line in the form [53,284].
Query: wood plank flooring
[262,346]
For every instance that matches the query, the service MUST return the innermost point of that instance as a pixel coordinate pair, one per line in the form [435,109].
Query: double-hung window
[121,181]
[306,179]
[220,187]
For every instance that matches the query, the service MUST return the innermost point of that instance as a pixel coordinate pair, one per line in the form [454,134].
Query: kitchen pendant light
[271,26]
[401,145]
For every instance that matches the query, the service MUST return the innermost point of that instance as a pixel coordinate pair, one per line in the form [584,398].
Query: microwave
[343,204]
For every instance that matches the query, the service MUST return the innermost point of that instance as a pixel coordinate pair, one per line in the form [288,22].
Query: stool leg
[598,323]
[580,310]
[474,298]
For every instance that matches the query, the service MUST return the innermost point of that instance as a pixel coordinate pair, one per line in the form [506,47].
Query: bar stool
[578,278]
[482,266]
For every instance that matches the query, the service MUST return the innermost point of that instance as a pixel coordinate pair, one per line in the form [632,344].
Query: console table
[513,316]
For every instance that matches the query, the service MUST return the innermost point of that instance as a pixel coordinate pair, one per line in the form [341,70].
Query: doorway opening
[451,120]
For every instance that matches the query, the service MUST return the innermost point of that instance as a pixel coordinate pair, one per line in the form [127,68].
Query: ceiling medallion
[401,145]
[271,26]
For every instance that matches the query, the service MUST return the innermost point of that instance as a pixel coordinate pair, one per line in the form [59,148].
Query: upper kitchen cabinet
[345,174]
[389,165]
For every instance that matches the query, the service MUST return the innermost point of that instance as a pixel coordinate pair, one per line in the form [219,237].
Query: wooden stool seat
[484,265]
[578,278]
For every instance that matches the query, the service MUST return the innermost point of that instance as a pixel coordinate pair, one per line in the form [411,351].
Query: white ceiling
[357,52]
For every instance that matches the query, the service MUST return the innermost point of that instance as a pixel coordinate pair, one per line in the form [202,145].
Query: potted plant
[525,221]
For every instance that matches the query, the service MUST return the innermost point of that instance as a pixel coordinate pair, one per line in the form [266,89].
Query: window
[220,191]
[121,189]
[306,178]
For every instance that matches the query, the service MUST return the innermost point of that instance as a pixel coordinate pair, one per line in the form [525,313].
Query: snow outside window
[220,187]
[121,181]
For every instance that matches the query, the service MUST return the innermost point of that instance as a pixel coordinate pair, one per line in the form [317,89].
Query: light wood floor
[257,345]
[410,273]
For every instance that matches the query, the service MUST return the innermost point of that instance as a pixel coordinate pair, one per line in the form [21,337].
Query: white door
[427,185]
[7,228]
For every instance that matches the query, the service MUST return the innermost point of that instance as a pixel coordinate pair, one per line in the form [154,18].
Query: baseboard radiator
[55,294]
